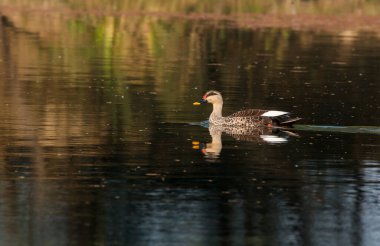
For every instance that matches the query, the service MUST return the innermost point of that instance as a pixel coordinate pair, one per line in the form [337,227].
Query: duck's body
[245,118]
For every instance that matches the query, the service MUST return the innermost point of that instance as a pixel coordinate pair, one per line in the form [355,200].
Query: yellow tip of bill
[196,103]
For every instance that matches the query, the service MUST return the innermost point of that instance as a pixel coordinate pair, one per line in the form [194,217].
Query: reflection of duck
[257,134]
[213,149]
[246,118]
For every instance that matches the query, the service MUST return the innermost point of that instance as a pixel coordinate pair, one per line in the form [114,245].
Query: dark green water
[96,140]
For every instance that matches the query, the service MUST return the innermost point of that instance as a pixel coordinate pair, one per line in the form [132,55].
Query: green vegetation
[227,7]
[130,44]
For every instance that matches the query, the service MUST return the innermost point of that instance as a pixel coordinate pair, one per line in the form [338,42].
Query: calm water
[98,141]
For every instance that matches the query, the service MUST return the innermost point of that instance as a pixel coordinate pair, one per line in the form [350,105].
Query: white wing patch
[274,113]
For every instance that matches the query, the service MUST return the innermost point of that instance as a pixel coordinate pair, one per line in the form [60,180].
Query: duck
[245,118]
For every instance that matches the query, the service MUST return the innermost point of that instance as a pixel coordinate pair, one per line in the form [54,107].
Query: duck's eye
[211,94]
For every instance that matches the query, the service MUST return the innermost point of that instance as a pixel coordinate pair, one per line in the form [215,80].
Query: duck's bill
[199,102]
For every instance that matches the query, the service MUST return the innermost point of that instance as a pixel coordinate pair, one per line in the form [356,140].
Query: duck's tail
[285,120]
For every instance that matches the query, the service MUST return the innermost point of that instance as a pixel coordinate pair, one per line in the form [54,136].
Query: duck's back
[249,113]
[259,117]
[248,117]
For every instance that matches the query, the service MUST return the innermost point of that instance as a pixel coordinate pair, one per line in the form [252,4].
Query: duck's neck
[217,110]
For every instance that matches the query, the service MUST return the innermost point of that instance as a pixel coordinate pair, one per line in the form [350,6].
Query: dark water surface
[96,145]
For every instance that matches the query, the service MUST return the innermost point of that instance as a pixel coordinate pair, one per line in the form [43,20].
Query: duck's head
[212,97]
